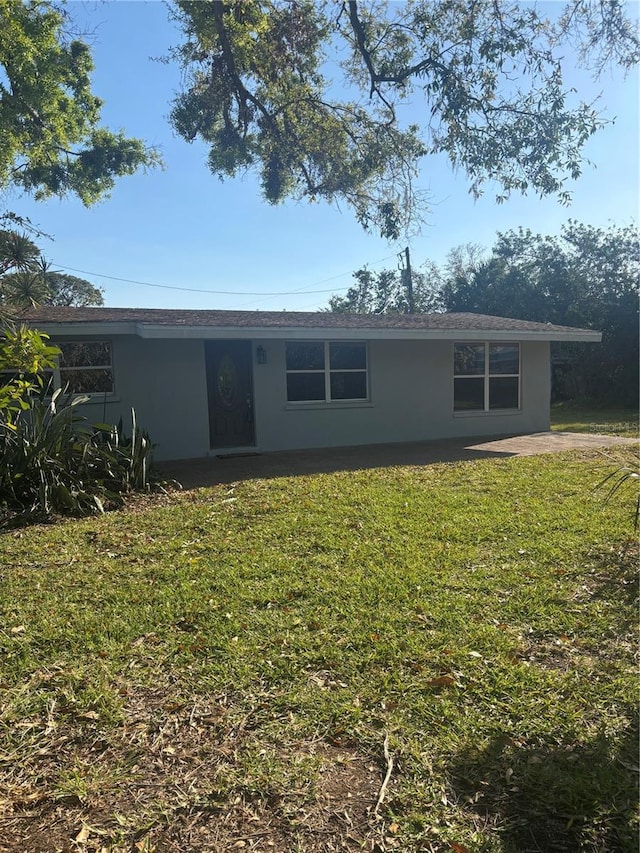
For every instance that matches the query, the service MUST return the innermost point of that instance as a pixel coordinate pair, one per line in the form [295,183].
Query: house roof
[172,323]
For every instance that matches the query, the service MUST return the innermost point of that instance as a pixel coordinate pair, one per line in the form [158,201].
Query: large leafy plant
[52,460]
[25,356]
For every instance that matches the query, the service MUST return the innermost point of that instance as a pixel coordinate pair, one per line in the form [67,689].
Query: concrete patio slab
[196,473]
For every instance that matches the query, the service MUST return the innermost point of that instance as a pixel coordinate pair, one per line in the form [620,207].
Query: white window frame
[328,371]
[487,376]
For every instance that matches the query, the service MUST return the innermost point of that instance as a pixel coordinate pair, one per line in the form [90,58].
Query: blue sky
[184,229]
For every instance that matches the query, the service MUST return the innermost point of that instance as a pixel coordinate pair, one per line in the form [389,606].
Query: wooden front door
[230,393]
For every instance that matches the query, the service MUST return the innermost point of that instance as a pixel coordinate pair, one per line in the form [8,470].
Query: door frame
[246,390]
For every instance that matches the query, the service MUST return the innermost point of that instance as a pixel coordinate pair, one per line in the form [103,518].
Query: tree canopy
[570,278]
[585,277]
[386,292]
[51,140]
[311,94]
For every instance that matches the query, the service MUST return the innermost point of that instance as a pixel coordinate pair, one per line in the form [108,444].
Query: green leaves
[625,477]
[257,95]
[51,142]
[24,356]
[26,278]
[17,251]
[385,292]
[311,96]
[54,462]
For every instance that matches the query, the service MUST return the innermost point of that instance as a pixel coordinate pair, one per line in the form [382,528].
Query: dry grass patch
[184,773]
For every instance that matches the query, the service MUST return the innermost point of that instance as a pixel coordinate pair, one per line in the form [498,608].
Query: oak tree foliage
[51,139]
[313,95]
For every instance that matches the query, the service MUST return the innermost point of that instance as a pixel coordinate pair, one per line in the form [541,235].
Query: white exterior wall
[411,399]
[164,381]
[410,384]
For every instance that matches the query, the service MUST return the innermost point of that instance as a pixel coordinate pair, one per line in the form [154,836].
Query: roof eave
[146,330]
[194,332]
[86,329]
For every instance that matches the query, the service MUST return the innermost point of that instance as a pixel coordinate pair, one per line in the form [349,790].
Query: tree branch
[360,35]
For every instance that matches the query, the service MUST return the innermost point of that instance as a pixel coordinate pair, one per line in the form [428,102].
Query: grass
[573,417]
[220,669]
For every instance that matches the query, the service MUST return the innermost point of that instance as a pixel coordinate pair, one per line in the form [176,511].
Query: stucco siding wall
[164,380]
[410,384]
[411,399]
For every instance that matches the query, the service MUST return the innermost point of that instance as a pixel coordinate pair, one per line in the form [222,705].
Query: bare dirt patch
[185,775]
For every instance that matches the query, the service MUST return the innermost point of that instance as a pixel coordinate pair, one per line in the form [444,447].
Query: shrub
[25,355]
[52,460]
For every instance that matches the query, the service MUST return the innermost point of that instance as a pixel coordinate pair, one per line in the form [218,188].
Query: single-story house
[218,382]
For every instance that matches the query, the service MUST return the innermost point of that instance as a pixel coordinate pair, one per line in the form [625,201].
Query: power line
[220,292]
[193,289]
[303,291]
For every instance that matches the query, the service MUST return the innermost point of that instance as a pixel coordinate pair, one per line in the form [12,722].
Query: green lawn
[243,667]
[573,418]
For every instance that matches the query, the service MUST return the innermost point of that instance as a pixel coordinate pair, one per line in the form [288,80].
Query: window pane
[468,395]
[305,386]
[349,386]
[305,356]
[348,356]
[503,393]
[87,381]
[504,359]
[85,354]
[468,359]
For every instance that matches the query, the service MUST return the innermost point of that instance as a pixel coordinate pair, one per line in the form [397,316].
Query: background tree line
[586,277]
[26,278]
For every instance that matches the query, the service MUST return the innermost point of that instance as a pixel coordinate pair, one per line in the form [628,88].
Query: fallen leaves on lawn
[442,681]
[179,776]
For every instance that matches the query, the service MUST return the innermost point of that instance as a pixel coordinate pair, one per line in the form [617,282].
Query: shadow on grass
[615,576]
[560,797]
[563,796]
[195,473]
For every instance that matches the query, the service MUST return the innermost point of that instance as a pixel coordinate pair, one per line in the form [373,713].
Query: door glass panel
[227,382]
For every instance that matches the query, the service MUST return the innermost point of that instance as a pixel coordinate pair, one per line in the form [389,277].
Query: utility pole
[409,282]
